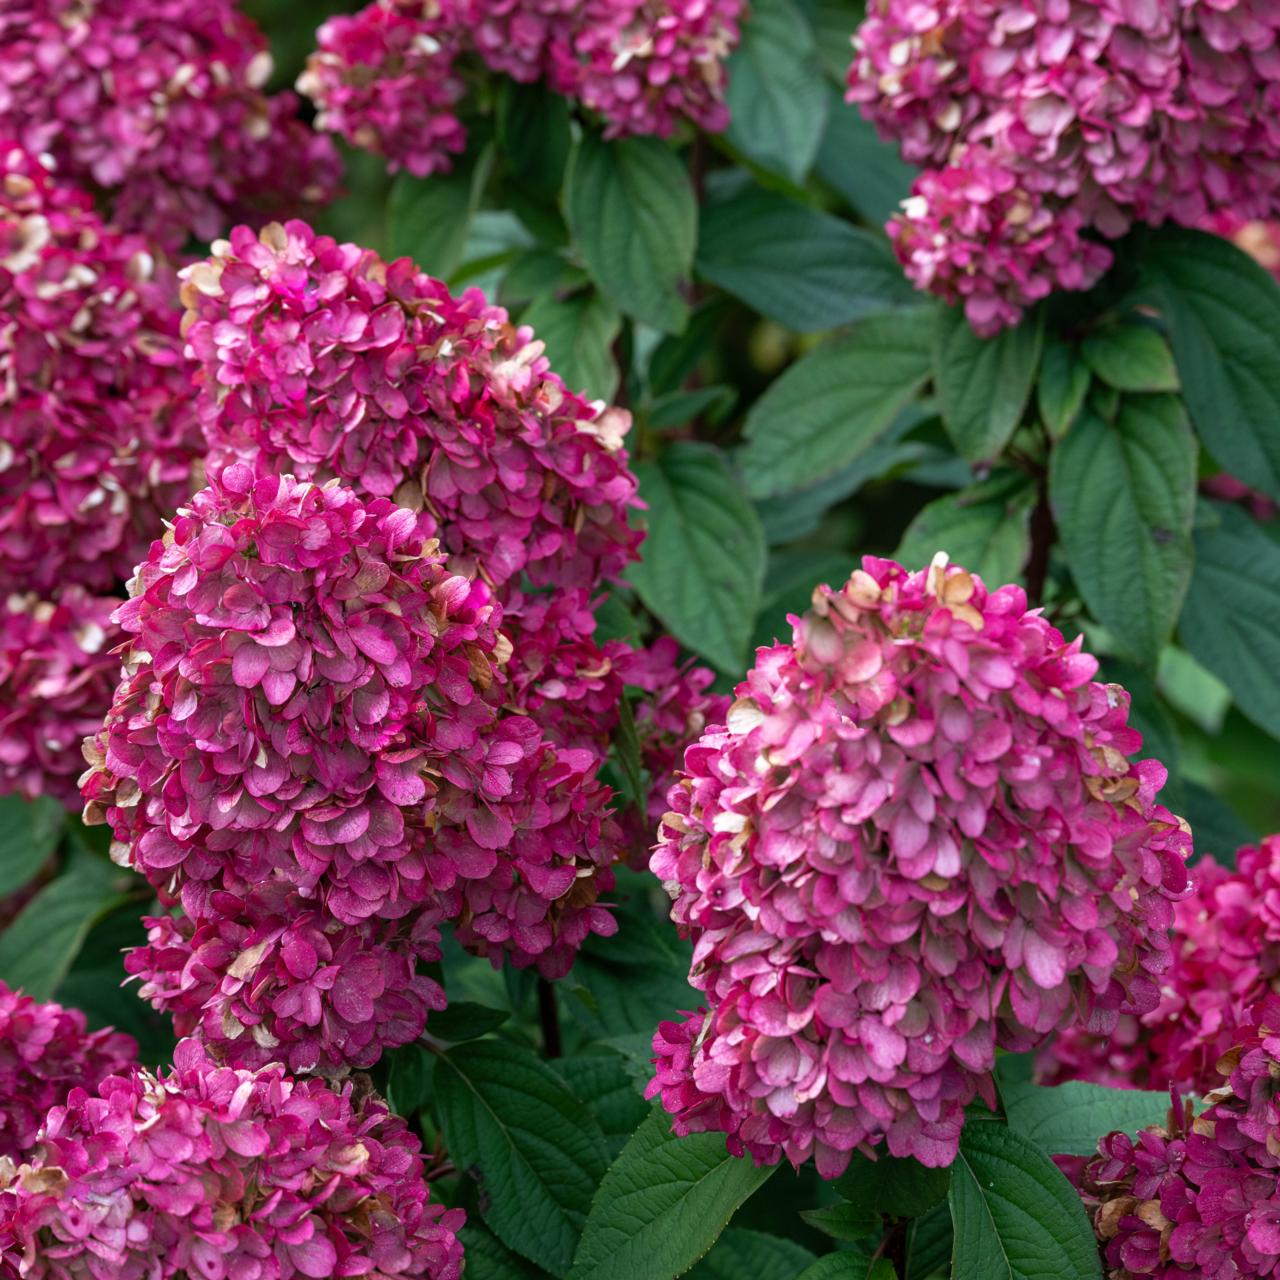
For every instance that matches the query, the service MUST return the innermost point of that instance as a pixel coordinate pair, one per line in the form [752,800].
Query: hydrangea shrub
[634,637]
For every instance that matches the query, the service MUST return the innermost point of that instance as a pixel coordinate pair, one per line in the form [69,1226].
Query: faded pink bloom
[1226,957]
[45,1052]
[159,105]
[1226,488]
[57,674]
[311,743]
[1199,1196]
[645,65]
[1088,115]
[383,78]
[210,1171]
[98,433]
[919,837]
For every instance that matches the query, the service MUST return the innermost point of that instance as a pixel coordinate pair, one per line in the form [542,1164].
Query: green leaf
[626,744]
[739,1253]
[1061,388]
[1223,314]
[983,383]
[579,333]
[465,1020]
[601,1080]
[539,272]
[789,584]
[929,1245]
[865,169]
[1016,1217]
[409,1070]
[1231,621]
[776,95]
[899,1187]
[662,1204]
[633,215]
[37,949]
[1123,494]
[842,1221]
[839,1266]
[676,357]
[29,833]
[1069,1119]
[1131,357]
[703,564]
[802,268]
[512,1123]
[985,528]
[533,132]
[488,1259]
[834,403]
[1198,694]
[429,218]
[679,408]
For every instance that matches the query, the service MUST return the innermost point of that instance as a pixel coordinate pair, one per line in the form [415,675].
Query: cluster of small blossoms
[212,1171]
[159,105]
[98,433]
[45,1051]
[1201,1195]
[920,836]
[311,754]
[387,77]
[57,675]
[1226,957]
[1060,118]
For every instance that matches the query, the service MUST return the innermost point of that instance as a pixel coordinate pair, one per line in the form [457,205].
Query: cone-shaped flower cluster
[310,753]
[57,675]
[1039,120]
[159,105]
[1200,1196]
[213,1172]
[386,78]
[97,427]
[1226,957]
[919,837]
[45,1051]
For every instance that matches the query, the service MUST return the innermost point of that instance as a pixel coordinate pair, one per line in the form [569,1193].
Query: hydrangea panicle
[310,744]
[1226,958]
[1199,1196]
[45,1052]
[1061,121]
[159,104]
[57,674]
[919,836]
[212,1171]
[98,433]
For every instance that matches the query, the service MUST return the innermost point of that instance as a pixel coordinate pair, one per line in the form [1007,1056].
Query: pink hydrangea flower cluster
[386,78]
[1201,1195]
[57,675]
[45,1052]
[310,752]
[159,105]
[211,1171]
[919,837]
[98,432]
[1226,957]
[1060,118]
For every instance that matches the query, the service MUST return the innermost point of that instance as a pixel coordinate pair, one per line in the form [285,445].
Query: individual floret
[209,1171]
[1089,115]
[57,675]
[1226,957]
[45,1052]
[98,433]
[1199,1196]
[920,837]
[159,104]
